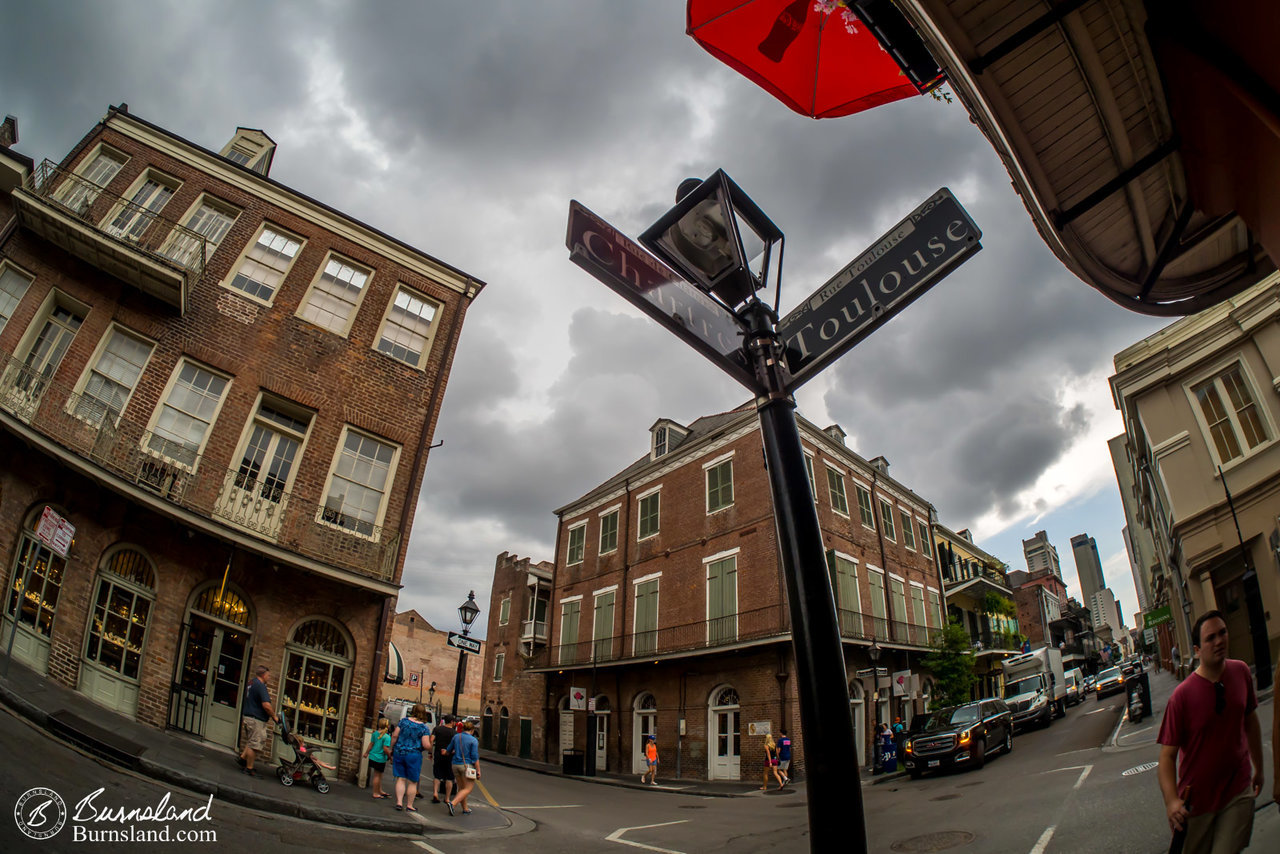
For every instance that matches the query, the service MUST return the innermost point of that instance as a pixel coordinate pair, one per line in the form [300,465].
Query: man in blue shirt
[257,711]
[784,756]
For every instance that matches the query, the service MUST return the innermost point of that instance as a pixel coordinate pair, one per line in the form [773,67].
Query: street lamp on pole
[467,611]
[720,241]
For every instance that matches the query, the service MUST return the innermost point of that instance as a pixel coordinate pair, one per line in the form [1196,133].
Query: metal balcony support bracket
[1063,218]
[981,63]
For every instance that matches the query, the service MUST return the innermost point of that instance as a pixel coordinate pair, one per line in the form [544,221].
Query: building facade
[1200,402]
[421,666]
[667,608]
[1084,551]
[228,391]
[1041,555]
[979,598]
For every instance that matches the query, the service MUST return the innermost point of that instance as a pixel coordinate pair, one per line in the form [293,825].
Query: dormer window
[666,435]
[250,148]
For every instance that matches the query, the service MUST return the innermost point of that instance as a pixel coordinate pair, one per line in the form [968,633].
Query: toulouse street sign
[912,257]
[633,272]
[458,641]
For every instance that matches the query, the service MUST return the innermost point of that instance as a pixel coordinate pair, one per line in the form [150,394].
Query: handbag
[471,772]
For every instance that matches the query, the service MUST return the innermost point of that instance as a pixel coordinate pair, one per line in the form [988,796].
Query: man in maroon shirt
[1211,738]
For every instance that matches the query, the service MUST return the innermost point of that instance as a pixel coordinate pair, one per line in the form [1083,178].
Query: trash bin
[1144,686]
[574,761]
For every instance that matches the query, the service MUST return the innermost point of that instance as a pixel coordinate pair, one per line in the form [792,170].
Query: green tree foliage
[995,605]
[951,662]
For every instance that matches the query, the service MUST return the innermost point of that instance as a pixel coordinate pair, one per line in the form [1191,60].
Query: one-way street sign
[912,257]
[458,641]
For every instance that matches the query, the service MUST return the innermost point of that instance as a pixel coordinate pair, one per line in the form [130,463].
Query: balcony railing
[533,630]
[771,622]
[959,575]
[124,231]
[177,474]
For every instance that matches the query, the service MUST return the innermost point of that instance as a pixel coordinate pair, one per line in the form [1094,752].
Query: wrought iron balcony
[762,624]
[242,500]
[534,630]
[140,247]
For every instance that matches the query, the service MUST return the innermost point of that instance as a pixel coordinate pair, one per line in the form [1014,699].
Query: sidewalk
[684,786]
[186,763]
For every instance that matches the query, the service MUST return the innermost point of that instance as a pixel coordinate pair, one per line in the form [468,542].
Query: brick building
[420,657]
[666,606]
[229,390]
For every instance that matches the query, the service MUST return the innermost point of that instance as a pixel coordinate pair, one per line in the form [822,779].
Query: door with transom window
[726,740]
[255,494]
[32,600]
[644,723]
[25,384]
[212,671]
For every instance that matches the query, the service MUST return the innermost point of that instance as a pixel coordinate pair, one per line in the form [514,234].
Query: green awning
[395,665]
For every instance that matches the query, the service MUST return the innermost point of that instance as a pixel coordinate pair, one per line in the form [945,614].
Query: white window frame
[569,600]
[504,611]
[313,288]
[832,471]
[907,522]
[924,607]
[927,548]
[428,340]
[635,608]
[148,175]
[163,401]
[706,588]
[244,255]
[656,492]
[615,511]
[706,482]
[613,621]
[568,544]
[392,467]
[886,518]
[1213,375]
[857,588]
[71,186]
[859,491]
[8,266]
[205,200]
[499,664]
[940,610]
[91,367]
[808,470]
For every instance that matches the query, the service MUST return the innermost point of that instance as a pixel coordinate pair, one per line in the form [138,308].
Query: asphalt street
[1066,788]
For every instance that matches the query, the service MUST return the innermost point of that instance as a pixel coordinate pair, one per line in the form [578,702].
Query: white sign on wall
[577,700]
[760,728]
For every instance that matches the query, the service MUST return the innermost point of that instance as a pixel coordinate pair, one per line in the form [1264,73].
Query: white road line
[616,836]
[1083,774]
[1103,709]
[1081,750]
[1136,731]
[1043,842]
[430,848]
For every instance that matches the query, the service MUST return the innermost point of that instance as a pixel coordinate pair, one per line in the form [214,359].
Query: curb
[551,771]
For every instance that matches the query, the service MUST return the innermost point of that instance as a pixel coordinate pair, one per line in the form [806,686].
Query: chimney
[8,132]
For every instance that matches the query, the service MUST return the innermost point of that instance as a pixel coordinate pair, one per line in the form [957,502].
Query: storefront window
[122,606]
[317,661]
[37,581]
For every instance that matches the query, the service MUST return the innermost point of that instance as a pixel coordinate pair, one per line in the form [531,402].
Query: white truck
[1035,688]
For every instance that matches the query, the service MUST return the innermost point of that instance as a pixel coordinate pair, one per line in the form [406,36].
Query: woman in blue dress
[411,737]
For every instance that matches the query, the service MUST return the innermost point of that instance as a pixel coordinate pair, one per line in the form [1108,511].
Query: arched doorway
[644,723]
[34,586]
[313,688]
[725,759]
[566,725]
[858,707]
[504,725]
[116,636]
[602,733]
[486,728]
[215,645]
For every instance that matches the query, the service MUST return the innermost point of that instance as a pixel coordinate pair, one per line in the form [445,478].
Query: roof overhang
[1143,138]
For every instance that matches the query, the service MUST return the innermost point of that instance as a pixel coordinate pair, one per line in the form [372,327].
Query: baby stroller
[302,766]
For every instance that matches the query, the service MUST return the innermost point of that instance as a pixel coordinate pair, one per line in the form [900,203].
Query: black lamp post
[874,652]
[431,697]
[468,611]
[721,242]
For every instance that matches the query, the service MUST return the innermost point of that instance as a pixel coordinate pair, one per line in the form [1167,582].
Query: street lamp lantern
[468,611]
[717,238]
[874,652]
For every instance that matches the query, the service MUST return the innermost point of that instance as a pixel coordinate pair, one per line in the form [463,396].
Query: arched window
[647,702]
[726,697]
[36,580]
[222,604]
[120,613]
[318,660]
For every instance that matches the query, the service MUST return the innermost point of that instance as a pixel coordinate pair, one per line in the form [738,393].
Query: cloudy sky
[465,128]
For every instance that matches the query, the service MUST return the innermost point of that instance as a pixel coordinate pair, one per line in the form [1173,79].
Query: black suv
[959,735]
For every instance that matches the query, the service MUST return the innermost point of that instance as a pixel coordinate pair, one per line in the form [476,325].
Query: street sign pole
[836,820]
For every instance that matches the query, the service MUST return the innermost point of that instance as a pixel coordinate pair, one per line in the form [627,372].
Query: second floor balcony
[127,240]
[745,628]
[127,456]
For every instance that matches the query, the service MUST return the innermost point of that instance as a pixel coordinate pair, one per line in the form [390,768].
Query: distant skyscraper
[1106,611]
[1088,566]
[1041,556]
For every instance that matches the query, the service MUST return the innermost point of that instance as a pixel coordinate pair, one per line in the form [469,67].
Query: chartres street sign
[459,642]
[633,272]
[912,257]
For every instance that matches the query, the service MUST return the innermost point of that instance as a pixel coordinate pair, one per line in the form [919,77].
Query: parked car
[1075,686]
[394,710]
[959,736]
[1110,681]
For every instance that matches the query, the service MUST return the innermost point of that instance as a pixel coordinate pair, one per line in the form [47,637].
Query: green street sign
[1151,619]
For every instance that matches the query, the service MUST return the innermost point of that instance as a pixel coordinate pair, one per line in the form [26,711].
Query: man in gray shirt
[257,711]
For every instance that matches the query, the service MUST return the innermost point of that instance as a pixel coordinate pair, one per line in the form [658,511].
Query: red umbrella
[816,56]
